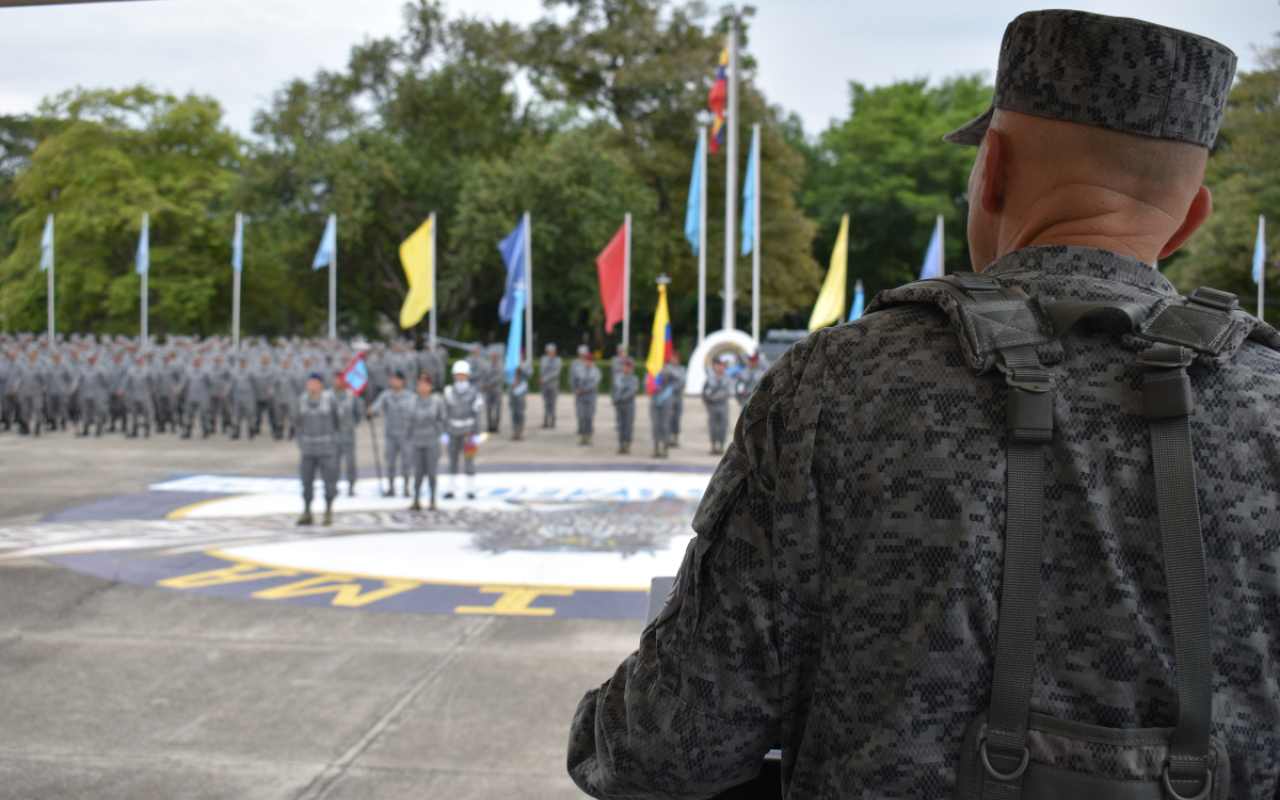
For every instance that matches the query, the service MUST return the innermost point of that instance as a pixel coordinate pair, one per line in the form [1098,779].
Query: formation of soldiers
[190,385]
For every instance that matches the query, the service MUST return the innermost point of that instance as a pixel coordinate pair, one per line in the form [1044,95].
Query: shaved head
[1039,181]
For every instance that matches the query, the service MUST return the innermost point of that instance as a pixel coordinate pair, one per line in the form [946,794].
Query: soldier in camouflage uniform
[317,423]
[427,421]
[840,599]
[584,382]
[622,391]
[549,367]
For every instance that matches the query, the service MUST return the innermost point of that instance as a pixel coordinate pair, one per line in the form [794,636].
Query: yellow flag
[830,305]
[416,257]
[660,345]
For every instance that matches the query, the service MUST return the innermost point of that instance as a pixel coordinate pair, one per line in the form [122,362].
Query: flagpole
[333,280]
[702,235]
[1262,274]
[435,301]
[731,176]
[51,326]
[942,250]
[626,284]
[755,235]
[235,287]
[142,340]
[528,283]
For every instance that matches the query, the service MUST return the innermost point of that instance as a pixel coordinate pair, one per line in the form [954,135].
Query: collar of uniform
[1080,262]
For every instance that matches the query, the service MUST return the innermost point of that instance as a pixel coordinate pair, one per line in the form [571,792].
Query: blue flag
[513,255]
[749,198]
[356,375]
[1260,250]
[328,244]
[693,209]
[237,245]
[932,267]
[46,245]
[142,261]
[859,302]
[515,336]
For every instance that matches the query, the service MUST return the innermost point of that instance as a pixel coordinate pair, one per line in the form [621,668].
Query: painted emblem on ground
[579,543]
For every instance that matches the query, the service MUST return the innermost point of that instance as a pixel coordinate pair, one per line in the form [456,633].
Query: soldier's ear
[991,197]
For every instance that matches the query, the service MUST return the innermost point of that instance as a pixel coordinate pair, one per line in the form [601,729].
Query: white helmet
[461,368]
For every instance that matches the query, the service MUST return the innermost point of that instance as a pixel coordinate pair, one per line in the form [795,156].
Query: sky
[241,51]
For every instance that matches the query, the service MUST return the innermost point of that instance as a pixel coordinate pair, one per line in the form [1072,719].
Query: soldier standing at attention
[30,393]
[317,423]
[197,385]
[244,399]
[94,390]
[60,382]
[395,404]
[549,380]
[427,422]
[465,408]
[615,363]
[520,396]
[675,373]
[584,382]
[715,396]
[494,379]
[137,392]
[964,547]
[263,386]
[622,391]
[350,412]
[660,404]
[748,379]
[283,394]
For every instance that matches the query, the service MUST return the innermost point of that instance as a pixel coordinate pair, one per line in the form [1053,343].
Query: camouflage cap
[1117,73]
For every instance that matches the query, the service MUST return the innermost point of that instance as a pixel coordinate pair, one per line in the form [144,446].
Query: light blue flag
[1260,250]
[859,302]
[328,244]
[515,336]
[237,247]
[513,255]
[932,267]
[749,199]
[693,209]
[46,245]
[142,260]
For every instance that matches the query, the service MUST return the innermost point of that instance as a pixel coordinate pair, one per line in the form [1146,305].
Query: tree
[1244,175]
[110,157]
[887,167]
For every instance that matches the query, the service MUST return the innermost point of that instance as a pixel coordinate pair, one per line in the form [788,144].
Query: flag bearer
[495,376]
[676,374]
[427,422]
[317,427]
[520,395]
[584,381]
[395,404]
[549,380]
[622,390]
[465,407]
[715,396]
[350,411]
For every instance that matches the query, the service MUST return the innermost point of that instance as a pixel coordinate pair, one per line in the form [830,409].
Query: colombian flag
[660,348]
[716,101]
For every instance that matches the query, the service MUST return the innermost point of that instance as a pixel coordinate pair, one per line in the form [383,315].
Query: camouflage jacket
[839,600]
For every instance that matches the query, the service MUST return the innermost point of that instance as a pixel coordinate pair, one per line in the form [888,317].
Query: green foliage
[1244,176]
[113,156]
[887,167]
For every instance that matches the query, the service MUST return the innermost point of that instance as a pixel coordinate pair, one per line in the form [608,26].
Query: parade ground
[167,631]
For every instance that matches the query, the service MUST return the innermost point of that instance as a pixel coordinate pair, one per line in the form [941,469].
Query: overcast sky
[240,51]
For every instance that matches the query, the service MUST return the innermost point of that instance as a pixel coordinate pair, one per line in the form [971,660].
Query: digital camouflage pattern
[840,599]
[1111,72]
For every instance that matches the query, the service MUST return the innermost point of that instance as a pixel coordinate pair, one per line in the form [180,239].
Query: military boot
[664,451]
[306,518]
[517,432]
[657,450]
[674,441]
[433,498]
[328,513]
[416,505]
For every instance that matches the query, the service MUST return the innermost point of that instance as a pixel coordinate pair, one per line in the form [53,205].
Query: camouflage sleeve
[695,709]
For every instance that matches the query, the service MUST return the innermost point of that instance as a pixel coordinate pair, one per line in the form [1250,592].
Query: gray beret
[1123,74]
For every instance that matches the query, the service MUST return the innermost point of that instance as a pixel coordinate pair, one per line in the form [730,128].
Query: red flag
[611,265]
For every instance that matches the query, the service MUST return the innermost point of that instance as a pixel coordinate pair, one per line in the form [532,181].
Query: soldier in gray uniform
[549,367]
[748,379]
[137,391]
[395,404]
[495,378]
[715,396]
[350,412]
[29,389]
[59,391]
[520,396]
[198,386]
[431,361]
[244,399]
[167,380]
[464,405]
[676,374]
[427,422]
[622,391]
[660,404]
[842,598]
[584,382]
[317,422]
[263,386]
[283,399]
[94,389]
